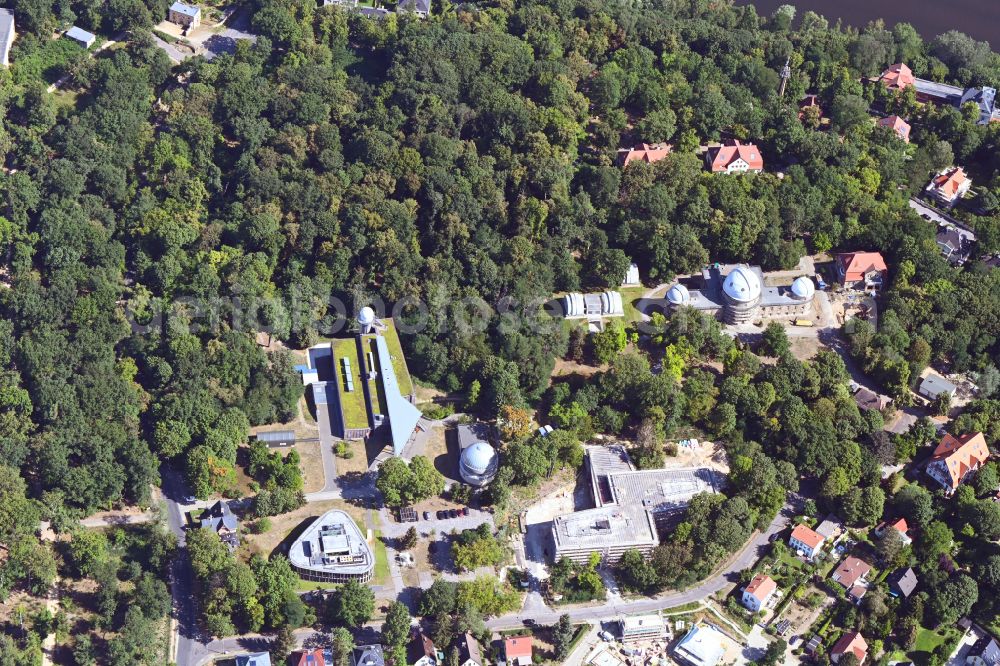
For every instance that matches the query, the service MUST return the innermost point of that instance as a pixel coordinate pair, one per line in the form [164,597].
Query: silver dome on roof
[803,288]
[366,316]
[742,285]
[678,295]
[478,464]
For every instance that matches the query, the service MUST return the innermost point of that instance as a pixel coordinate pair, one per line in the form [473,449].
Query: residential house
[220,519]
[7,35]
[734,157]
[830,528]
[869,400]
[81,36]
[185,15]
[948,186]
[517,650]
[902,583]
[985,652]
[759,592]
[643,152]
[852,573]
[311,658]
[469,652]
[897,125]
[255,659]
[419,8]
[897,77]
[861,270]
[422,652]
[985,100]
[367,655]
[853,643]
[956,458]
[901,528]
[955,244]
[933,386]
[807,541]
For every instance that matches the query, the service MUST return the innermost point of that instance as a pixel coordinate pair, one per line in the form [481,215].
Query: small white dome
[742,285]
[478,464]
[803,288]
[366,316]
[678,295]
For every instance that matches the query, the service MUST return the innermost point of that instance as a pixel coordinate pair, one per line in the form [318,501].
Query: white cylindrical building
[366,319]
[741,292]
[478,464]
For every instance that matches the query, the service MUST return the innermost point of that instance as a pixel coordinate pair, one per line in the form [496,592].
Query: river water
[978,18]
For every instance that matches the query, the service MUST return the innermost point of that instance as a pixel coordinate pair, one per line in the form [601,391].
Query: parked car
[189,499]
[606,636]
[427,515]
[465,511]
[442,514]
[452,513]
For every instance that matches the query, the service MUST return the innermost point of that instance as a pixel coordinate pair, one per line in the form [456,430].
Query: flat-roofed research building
[332,550]
[609,531]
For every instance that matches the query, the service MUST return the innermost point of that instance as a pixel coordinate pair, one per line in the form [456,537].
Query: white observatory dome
[678,295]
[742,285]
[478,464]
[366,316]
[803,288]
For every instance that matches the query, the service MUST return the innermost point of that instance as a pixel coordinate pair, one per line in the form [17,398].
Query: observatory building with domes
[736,294]
[478,461]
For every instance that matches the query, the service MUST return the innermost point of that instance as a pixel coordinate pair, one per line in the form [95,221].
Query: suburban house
[734,157]
[852,574]
[759,592]
[897,125]
[7,35]
[184,15]
[897,77]
[868,400]
[367,655]
[806,540]
[948,186]
[643,152]
[81,36]
[901,528]
[956,458]
[955,244]
[933,386]
[419,8]
[985,652]
[220,519]
[903,583]
[517,651]
[255,659]
[311,658]
[861,270]
[853,643]
[469,652]
[830,528]
[422,652]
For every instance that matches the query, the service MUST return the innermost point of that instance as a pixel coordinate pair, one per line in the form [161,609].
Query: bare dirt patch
[311,464]
[564,367]
[357,463]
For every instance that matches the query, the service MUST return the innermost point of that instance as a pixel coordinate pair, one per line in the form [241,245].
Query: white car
[606,636]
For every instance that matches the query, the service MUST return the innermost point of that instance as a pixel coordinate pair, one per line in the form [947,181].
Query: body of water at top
[977,18]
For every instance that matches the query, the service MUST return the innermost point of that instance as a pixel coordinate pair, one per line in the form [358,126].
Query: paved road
[187,649]
[927,211]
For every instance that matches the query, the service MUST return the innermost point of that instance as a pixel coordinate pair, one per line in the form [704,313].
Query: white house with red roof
[850,643]
[758,592]
[734,157]
[901,528]
[897,125]
[949,185]
[517,651]
[644,152]
[861,270]
[804,539]
[956,458]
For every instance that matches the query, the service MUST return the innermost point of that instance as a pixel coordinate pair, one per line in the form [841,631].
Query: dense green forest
[153,223]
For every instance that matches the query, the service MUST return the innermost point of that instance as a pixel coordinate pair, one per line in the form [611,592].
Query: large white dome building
[741,293]
[478,464]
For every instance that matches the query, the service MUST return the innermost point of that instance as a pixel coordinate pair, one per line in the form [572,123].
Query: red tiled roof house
[901,528]
[850,643]
[852,573]
[897,125]
[805,539]
[861,270]
[644,152]
[517,651]
[311,658]
[897,77]
[949,186]
[758,592]
[956,458]
[734,157]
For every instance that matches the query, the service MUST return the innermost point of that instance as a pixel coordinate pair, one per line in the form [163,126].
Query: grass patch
[381,575]
[629,296]
[397,358]
[169,39]
[351,402]
[683,608]
[927,640]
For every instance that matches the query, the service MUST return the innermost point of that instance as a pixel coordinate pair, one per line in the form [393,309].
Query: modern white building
[608,531]
[81,36]
[7,35]
[605,304]
[704,645]
[332,550]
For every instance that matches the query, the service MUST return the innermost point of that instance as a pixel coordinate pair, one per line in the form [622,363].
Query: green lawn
[381,576]
[629,296]
[927,640]
[375,387]
[398,360]
[353,402]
